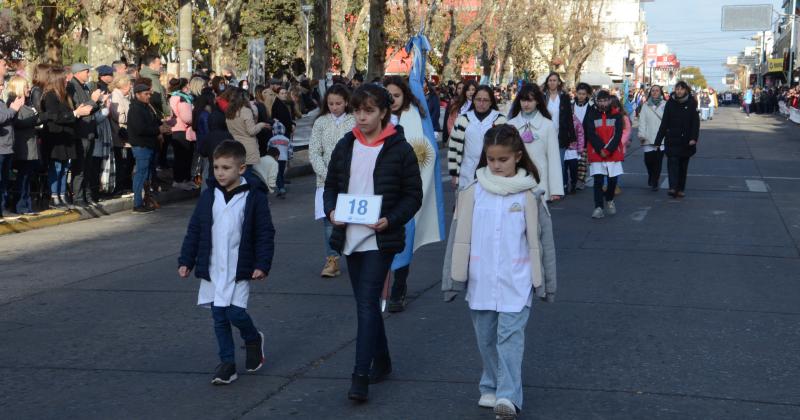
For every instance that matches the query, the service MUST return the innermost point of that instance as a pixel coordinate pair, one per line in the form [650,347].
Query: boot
[359,388]
[381,368]
[397,301]
[331,268]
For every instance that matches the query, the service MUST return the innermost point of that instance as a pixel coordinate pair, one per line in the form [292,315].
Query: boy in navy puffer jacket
[230,241]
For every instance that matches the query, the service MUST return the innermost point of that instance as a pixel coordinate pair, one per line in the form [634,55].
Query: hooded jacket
[603,130]
[257,245]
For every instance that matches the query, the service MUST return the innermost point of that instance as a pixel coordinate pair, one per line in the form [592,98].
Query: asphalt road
[671,309]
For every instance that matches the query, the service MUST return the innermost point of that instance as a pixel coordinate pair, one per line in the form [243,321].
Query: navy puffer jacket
[257,245]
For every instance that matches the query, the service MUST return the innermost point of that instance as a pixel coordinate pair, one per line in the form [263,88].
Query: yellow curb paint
[24,224]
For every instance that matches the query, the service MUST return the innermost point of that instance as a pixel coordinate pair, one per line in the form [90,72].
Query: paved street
[669,310]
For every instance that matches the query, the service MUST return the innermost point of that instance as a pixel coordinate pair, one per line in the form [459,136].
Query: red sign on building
[669,61]
[650,51]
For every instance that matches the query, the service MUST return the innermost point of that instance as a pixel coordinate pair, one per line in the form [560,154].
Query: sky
[691,30]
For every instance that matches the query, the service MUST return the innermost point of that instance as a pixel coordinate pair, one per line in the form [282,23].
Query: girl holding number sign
[373,159]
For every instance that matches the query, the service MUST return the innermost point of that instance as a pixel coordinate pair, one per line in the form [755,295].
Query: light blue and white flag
[427,226]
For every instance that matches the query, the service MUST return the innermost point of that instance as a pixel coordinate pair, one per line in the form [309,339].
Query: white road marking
[665,184]
[755,185]
[640,214]
[782,178]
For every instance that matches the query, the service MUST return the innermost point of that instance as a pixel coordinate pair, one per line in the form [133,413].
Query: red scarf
[387,132]
[222,104]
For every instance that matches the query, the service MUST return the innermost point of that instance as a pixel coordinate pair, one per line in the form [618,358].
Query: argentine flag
[427,226]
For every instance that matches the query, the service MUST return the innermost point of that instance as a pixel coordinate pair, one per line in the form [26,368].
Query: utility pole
[791,44]
[185,39]
[307,9]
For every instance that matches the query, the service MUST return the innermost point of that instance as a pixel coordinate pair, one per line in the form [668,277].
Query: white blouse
[226,233]
[499,265]
[360,238]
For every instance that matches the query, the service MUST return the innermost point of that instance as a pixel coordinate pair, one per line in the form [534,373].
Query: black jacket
[282,113]
[679,125]
[142,125]
[59,128]
[396,178]
[86,127]
[566,128]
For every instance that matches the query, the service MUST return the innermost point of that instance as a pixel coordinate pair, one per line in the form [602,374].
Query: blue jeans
[57,177]
[367,275]
[501,342]
[26,172]
[144,160]
[328,229]
[279,181]
[224,317]
[5,177]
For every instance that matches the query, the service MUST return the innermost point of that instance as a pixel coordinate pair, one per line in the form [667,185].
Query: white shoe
[487,401]
[505,410]
[598,213]
[611,208]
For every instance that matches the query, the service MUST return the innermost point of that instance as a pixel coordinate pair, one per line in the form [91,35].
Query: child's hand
[604,153]
[259,275]
[333,219]
[184,271]
[380,225]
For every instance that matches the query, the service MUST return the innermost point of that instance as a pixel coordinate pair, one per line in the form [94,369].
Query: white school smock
[499,264]
[473,146]
[360,238]
[553,106]
[226,233]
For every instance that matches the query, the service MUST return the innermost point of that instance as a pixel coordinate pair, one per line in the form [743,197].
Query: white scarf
[505,185]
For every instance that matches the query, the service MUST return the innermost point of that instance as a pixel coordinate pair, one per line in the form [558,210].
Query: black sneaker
[255,354]
[225,374]
[143,209]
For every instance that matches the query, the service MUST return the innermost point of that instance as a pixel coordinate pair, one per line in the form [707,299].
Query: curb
[105,208]
[108,207]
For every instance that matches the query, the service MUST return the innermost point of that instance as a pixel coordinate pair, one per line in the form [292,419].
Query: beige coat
[539,232]
[243,128]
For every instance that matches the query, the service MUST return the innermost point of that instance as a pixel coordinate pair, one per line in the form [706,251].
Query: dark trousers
[25,174]
[184,150]
[226,316]
[608,195]
[399,286]
[85,180]
[367,275]
[123,159]
[653,161]
[677,167]
[163,152]
[279,182]
[571,172]
[5,176]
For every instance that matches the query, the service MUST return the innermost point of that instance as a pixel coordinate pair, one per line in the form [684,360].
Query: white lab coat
[226,233]
[499,262]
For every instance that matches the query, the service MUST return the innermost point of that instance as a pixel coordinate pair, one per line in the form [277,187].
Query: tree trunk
[321,57]
[376,61]
[105,32]
[221,33]
[407,18]
[185,39]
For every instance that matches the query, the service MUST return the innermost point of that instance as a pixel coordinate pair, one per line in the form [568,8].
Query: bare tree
[570,31]
[455,40]
[222,32]
[345,31]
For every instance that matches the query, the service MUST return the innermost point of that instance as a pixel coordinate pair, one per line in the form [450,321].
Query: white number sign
[358,209]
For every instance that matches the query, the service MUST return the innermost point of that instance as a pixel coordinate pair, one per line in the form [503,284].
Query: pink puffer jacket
[182,117]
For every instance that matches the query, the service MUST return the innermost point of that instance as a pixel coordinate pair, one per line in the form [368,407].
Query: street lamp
[307,8]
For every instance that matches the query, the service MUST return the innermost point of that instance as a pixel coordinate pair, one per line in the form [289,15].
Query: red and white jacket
[603,131]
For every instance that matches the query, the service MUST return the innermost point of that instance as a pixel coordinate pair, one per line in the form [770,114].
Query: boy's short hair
[274,152]
[232,149]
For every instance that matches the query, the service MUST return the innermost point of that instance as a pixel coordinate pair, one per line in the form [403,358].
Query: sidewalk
[299,166]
